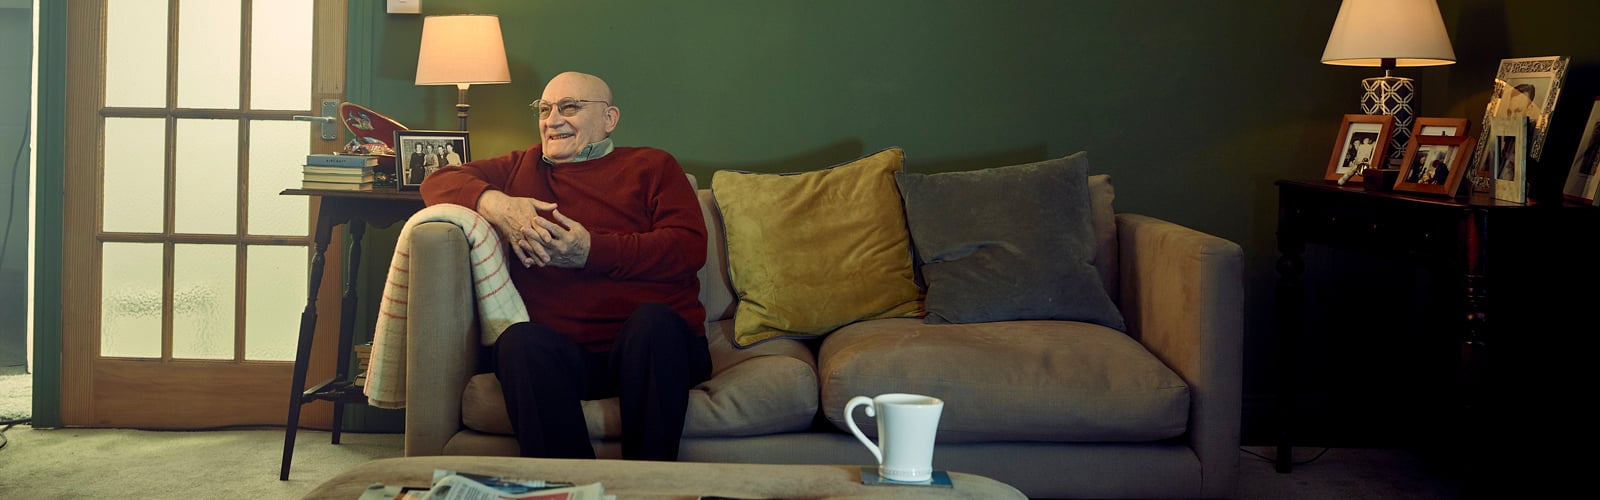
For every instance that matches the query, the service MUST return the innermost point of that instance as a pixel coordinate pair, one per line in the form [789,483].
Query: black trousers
[545,377]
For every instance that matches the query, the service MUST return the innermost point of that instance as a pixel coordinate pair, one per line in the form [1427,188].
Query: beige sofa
[1054,408]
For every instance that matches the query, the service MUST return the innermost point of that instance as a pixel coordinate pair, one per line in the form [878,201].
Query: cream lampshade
[462,50]
[1389,34]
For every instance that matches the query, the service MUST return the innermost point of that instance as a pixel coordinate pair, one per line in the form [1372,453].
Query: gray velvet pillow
[1008,243]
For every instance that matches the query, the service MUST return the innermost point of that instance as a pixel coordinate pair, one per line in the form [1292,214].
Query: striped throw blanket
[499,305]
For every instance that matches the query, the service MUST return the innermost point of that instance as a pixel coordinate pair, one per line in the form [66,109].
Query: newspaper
[452,485]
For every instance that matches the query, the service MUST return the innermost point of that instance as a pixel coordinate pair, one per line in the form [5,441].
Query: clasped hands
[536,240]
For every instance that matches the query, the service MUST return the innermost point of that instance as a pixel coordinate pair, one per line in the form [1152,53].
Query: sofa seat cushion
[1059,381]
[766,389]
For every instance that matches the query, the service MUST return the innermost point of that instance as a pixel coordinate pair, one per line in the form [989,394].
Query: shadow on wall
[845,151]
[806,161]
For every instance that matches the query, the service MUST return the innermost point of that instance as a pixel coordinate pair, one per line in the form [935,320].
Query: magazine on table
[452,485]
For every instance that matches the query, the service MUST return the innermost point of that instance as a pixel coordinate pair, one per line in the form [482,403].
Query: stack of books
[338,172]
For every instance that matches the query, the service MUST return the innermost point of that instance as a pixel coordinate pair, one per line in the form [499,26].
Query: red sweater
[648,238]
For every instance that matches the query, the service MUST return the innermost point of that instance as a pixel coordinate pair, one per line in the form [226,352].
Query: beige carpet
[16,393]
[112,463]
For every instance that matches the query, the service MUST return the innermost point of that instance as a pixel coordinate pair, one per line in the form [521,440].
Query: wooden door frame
[79,316]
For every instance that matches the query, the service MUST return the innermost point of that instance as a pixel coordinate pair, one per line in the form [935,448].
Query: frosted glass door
[184,267]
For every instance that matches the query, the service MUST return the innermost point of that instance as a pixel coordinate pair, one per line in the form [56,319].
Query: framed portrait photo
[1526,87]
[1362,140]
[1440,126]
[1435,164]
[1581,179]
[1507,157]
[420,153]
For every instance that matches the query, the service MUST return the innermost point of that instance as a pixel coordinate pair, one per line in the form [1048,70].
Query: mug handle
[849,419]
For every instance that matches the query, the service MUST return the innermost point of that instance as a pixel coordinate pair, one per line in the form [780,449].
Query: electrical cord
[8,425]
[1269,459]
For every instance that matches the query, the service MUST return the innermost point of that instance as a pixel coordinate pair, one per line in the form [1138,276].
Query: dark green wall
[1195,108]
[16,96]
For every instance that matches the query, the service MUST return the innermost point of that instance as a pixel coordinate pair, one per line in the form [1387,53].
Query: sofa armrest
[441,336]
[1182,294]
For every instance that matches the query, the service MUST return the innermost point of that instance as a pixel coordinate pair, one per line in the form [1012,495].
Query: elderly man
[609,240]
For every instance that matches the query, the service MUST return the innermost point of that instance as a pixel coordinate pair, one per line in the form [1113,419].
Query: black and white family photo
[422,152]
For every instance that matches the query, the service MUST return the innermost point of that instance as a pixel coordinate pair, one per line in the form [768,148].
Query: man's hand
[514,218]
[565,244]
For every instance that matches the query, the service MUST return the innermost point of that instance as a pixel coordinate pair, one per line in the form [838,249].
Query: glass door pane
[134,175]
[280,54]
[130,300]
[273,303]
[277,148]
[207,177]
[203,301]
[208,54]
[136,53]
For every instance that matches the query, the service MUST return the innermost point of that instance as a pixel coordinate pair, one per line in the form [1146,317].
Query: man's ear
[613,115]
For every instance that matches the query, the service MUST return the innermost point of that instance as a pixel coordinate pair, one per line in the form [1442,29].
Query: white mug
[907,424]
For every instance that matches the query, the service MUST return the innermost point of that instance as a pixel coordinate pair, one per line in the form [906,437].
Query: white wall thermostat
[405,6]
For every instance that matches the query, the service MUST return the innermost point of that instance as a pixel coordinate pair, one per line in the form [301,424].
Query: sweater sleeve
[674,248]
[463,184]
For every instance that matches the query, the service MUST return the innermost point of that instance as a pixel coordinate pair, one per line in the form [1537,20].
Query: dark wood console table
[1543,258]
[380,207]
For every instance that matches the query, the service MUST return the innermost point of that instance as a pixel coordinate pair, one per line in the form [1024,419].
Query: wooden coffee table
[677,480]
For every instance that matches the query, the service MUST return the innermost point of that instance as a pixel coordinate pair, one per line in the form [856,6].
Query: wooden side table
[1452,234]
[356,209]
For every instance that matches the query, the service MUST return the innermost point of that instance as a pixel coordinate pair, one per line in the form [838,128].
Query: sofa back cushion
[1008,243]
[716,291]
[811,251]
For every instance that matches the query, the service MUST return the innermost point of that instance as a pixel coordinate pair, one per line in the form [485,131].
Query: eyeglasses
[567,107]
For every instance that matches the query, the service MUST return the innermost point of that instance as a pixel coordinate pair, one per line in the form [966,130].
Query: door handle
[329,119]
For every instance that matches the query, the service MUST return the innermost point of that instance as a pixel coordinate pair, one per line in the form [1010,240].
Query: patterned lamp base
[1389,95]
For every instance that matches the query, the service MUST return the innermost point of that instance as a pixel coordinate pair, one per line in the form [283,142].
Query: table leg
[1290,297]
[1473,348]
[347,320]
[308,328]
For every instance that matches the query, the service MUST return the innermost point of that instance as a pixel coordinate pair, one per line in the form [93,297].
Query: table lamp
[461,50]
[1389,34]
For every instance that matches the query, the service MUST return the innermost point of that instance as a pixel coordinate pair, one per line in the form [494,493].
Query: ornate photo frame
[1527,86]
[1362,140]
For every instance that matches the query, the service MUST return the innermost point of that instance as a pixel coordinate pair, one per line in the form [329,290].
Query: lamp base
[461,105]
[1392,95]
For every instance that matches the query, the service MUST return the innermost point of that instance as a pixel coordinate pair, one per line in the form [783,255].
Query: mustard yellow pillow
[813,251]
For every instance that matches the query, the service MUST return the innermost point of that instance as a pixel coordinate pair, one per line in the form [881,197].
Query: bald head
[592,120]
[577,85]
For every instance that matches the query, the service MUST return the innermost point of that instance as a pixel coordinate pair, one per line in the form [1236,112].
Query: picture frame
[1453,127]
[1507,157]
[1362,140]
[1515,80]
[1435,164]
[1582,178]
[413,149]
